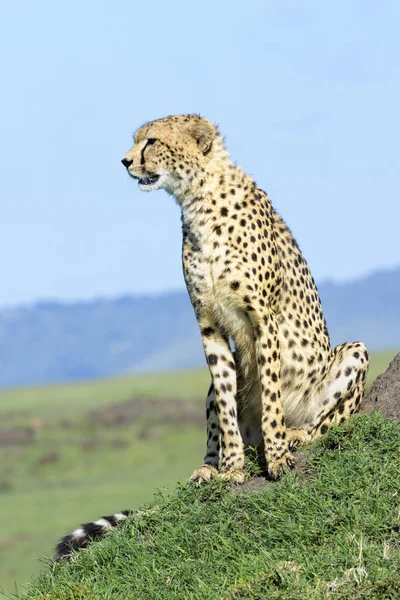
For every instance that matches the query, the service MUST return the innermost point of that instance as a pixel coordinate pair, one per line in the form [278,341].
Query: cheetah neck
[212,192]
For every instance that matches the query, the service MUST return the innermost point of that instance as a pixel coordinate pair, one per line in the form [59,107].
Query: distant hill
[52,341]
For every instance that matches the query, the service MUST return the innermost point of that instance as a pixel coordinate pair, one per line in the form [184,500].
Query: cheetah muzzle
[148,180]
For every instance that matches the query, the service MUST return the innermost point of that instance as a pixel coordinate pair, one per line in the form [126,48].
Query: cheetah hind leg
[344,389]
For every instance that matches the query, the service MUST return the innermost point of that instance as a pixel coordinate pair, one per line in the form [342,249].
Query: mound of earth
[384,394]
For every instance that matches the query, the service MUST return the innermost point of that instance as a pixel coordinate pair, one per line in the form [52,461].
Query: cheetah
[250,287]
[282,384]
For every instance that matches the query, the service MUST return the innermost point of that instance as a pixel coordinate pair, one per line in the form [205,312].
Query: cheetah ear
[204,133]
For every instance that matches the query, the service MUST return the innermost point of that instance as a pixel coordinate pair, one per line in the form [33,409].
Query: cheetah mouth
[149,180]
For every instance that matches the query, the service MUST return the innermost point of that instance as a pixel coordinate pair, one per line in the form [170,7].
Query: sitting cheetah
[248,283]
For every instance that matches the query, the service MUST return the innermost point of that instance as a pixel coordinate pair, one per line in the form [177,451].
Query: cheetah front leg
[222,410]
[209,470]
[276,440]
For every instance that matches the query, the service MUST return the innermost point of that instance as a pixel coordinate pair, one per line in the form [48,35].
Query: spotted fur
[249,283]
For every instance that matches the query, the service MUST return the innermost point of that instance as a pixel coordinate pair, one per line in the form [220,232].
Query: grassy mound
[330,532]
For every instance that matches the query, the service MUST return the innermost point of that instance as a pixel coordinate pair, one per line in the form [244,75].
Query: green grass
[332,533]
[77,468]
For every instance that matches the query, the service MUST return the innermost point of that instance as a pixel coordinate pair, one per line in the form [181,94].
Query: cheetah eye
[151,141]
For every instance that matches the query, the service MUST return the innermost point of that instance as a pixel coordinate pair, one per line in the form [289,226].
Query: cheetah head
[170,153]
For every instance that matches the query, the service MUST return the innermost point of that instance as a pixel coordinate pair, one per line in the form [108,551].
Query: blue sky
[307,94]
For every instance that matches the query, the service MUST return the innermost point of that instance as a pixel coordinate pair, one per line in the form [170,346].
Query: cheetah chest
[211,276]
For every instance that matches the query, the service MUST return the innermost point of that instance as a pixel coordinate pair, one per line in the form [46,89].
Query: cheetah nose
[126,162]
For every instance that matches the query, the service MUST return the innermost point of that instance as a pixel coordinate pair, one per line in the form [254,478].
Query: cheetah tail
[87,533]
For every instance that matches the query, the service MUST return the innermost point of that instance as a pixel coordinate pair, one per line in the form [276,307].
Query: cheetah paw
[205,473]
[278,466]
[235,475]
[297,437]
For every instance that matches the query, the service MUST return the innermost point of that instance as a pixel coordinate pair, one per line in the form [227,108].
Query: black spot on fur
[212,359]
